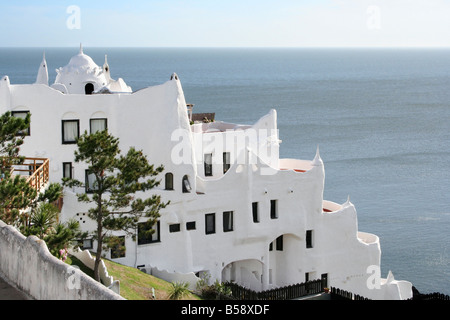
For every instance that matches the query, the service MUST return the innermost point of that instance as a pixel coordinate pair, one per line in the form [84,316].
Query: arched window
[89,88]
[169,181]
[186,185]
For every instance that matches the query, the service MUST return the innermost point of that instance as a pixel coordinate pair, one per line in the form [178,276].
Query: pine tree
[16,194]
[12,134]
[115,183]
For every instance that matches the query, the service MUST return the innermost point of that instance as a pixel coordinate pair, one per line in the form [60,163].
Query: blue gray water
[381,118]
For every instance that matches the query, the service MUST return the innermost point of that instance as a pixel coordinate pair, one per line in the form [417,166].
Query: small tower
[42,76]
[106,70]
[317,161]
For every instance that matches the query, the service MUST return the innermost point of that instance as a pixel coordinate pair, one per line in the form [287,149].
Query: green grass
[134,284]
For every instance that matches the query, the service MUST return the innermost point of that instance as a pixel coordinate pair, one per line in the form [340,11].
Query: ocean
[380,117]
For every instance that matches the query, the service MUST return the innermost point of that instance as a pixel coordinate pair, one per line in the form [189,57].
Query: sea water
[380,117]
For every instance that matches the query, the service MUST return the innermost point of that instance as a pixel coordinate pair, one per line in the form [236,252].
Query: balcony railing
[36,169]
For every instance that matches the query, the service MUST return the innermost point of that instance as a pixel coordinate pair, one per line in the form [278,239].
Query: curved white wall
[34,270]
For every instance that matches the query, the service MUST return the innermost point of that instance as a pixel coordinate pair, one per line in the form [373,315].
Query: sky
[230,23]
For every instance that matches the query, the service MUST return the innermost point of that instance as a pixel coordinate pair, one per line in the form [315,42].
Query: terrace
[35,170]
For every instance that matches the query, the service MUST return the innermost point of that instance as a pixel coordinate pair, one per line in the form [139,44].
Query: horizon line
[231,47]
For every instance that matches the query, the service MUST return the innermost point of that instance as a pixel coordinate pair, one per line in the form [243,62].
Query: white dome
[81,62]
[83,76]
[81,72]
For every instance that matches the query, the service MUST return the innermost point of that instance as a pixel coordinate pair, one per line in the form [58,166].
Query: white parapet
[89,261]
[28,264]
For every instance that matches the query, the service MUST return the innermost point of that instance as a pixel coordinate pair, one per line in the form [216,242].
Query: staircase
[37,170]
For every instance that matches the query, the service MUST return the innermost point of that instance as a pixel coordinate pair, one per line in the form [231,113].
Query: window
[97,125]
[22,115]
[174,228]
[190,225]
[273,209]
[210,223]
[87,244]
[186,185]
[67,170]
[255,212]
[309,239]
[70,131]
[148,234]
[208,165]
[119,250]
[169,181]
[279,243]
[226,162]
[90,182]
[228,221]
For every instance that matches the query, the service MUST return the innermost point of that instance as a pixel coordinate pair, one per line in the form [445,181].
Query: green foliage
[16,194]
[117,179]
[116,245]
[211,292]
[178,290]
[52,193]
[42,220]
[203,281]
[43,223]
[221,289]
[20,204]
[12,133]
[62,236]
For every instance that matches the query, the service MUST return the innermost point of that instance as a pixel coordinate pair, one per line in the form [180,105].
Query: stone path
[8,292]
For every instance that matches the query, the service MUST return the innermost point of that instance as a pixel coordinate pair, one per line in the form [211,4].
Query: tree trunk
[98,255]
[98,258]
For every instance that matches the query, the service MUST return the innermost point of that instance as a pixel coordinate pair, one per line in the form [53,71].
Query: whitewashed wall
[28,264]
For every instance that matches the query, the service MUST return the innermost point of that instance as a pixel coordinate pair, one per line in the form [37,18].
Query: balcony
[35,170]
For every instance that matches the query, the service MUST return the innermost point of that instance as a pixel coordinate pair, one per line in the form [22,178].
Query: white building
[237,212]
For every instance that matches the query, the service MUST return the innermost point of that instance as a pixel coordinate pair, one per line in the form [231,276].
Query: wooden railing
[37,170]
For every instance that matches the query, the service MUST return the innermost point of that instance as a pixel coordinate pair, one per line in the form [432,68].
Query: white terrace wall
[28,264]
[190,278]
[89,261]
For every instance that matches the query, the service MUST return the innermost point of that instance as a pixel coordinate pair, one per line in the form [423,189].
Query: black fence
[435,296]
[339,294]
[309,288]
[284,293]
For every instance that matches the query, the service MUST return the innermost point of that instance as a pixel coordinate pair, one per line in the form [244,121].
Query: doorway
[89,88]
